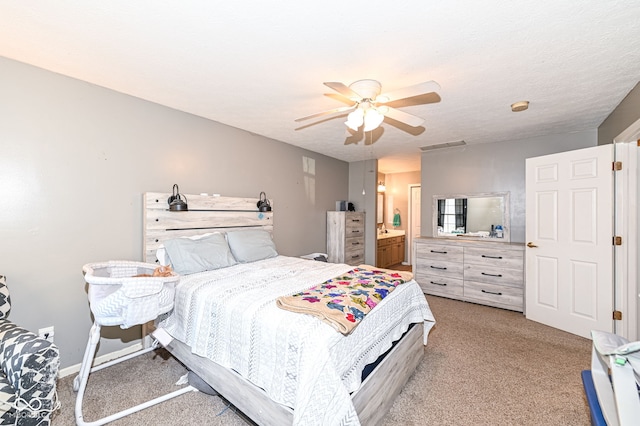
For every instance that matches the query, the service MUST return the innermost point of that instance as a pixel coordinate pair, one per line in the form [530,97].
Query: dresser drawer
[494,295]
[513,259]
[354,220]
[494,275]
[353,243]
[354,255]
[354,231]
[439,252]
[440,268]
[440,286]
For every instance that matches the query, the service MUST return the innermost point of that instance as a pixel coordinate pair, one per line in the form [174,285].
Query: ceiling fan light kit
[366,89]
[355,119]
[372,119]
[368,109]
[366,115]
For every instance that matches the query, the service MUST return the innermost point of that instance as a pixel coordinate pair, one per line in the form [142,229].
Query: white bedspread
[229,316]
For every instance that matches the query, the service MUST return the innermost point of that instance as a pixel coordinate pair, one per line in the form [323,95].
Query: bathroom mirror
[380,209]
[481,216]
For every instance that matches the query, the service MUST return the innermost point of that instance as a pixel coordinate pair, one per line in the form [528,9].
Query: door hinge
[617,315]
[617,241]
[617,165]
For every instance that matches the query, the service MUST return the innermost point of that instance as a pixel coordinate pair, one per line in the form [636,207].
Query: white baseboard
[101,359]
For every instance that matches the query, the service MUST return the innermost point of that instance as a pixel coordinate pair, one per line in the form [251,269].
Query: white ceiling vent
[442,145]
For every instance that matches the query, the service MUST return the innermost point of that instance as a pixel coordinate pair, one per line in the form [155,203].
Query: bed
[276,366]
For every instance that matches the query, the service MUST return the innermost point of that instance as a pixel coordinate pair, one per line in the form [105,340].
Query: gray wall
[625,114]
[493,167]
[75,160]
[363,176]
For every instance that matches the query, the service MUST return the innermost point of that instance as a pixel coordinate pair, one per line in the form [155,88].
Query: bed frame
[208,214]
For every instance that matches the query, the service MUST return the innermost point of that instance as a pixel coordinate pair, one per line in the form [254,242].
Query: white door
[569,231]
[414,219]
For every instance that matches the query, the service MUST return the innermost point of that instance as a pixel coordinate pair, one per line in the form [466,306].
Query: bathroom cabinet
[390,251]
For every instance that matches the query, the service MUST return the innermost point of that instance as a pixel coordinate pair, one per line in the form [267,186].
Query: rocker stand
[80,382]
[123,293]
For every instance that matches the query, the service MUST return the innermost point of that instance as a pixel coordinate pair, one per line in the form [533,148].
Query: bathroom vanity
[390,248]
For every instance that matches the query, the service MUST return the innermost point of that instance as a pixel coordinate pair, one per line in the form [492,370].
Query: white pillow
[189,256]
[161,253]
[251,245]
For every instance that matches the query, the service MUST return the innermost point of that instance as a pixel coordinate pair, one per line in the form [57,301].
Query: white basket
[117,297]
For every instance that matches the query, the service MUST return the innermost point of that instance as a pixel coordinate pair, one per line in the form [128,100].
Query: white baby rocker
[118,297]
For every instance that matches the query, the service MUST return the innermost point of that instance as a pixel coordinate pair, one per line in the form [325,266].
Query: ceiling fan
[369,106]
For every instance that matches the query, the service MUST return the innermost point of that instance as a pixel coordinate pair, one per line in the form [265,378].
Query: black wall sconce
[176,202]
[263,204]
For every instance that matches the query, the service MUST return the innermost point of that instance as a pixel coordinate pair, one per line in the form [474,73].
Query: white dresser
[345,237]
[485,272]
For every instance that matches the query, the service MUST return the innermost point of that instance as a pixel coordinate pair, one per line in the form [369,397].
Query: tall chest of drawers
[485,272]
[345,237]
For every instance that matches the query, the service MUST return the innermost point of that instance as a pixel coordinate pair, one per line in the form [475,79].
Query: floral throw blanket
[343,302]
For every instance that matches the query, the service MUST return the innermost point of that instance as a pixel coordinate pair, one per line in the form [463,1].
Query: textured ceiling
[258,65]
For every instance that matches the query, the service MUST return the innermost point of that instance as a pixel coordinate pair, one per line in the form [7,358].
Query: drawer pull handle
[439,252]
[355,244]
[492,257]
[492,275]
[355,231]
[492,292]
[436,283]
[355,220]
[439,267]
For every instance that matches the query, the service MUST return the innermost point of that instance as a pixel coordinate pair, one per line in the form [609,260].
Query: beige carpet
[482,366]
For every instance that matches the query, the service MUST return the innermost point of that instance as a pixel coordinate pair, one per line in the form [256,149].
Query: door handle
[531,245]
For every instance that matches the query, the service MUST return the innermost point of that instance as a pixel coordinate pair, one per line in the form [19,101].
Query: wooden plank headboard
[206,214]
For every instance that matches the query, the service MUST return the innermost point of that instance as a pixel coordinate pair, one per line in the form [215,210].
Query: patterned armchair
[28,371]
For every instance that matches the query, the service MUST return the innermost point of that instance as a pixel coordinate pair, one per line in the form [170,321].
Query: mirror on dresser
[480,216]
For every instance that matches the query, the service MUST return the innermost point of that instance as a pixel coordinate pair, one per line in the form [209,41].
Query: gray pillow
[251,245]
[189,256]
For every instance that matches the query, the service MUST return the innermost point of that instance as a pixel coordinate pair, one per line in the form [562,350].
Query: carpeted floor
[482,366]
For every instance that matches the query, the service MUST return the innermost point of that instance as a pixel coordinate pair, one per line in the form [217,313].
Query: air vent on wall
[442,145]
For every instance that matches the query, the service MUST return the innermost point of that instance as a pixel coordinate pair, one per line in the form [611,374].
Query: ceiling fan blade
[331,111]
[401,116]
[408,92]
[343,90]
